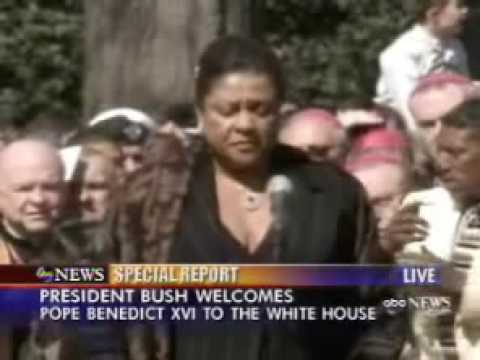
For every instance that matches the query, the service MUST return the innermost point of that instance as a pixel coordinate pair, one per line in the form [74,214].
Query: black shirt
[330,223]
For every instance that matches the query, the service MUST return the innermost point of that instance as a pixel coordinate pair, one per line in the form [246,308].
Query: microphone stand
[278,200]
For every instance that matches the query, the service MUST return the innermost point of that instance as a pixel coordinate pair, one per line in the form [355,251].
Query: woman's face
[95,189]
[238,115]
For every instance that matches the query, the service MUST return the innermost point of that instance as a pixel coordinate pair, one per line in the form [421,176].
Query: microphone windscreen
[279,184]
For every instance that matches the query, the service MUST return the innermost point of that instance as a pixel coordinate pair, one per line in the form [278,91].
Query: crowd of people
[391,181]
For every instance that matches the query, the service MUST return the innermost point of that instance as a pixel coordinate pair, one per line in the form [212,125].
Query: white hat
[130,114]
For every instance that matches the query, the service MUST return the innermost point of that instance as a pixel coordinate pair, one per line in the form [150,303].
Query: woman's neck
[254,178]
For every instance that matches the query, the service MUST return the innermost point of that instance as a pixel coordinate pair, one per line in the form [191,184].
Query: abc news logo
[72,274]
[431,304]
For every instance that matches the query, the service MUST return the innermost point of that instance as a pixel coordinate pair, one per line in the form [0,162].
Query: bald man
[31,197]
[316,132]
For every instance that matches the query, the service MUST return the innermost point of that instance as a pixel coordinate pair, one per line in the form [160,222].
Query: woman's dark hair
[236,54]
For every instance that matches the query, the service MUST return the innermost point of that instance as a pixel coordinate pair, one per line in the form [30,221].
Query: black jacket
[169,213]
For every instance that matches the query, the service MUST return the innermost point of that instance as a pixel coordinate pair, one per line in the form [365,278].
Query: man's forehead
[437,102]
[29,153]
[41,174]
[313,133]
[381,178]
[32,172]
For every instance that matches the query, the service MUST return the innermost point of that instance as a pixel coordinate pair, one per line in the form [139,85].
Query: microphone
[279,188]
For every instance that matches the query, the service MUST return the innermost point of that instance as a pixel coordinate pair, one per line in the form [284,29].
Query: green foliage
[330,47]
[40,58]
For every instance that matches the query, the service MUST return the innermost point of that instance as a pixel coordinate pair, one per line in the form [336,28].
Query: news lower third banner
[201,292]
[208,275]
